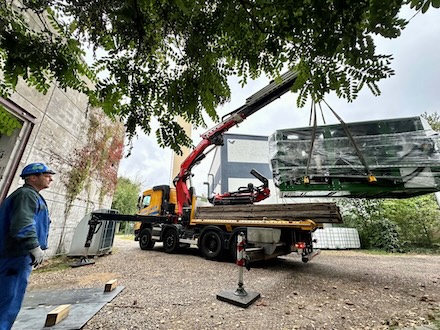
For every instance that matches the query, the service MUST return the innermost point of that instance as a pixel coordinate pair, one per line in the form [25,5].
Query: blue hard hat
[35,168]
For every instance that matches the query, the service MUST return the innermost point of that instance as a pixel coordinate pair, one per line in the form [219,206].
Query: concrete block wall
[61,125]
[58,122]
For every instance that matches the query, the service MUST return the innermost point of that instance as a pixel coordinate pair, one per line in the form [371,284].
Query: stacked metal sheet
[402,154]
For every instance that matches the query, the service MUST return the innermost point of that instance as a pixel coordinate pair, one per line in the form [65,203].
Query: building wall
[234,161]
[60,124]
[214,175]
[55,131]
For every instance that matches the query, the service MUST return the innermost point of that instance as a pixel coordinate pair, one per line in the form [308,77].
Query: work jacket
[24,222]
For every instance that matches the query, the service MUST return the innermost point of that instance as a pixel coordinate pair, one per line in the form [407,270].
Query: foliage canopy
[165,58]
[375,231]
[126,196]
[418,219]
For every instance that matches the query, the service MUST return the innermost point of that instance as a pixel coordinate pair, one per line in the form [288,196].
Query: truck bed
[318,212]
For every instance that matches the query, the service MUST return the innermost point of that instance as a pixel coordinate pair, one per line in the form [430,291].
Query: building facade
[233,162]
[60,129]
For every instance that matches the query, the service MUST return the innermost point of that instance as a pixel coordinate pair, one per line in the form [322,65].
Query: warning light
[300,245]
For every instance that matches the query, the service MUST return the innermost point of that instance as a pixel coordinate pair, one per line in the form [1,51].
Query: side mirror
[139,203]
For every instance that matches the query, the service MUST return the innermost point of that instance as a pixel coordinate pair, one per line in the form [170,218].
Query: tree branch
[243,3]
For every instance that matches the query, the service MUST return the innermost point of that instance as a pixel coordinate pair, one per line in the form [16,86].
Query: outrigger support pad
[83,261]
[244,301]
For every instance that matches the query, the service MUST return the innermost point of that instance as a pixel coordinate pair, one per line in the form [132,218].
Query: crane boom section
[214,136]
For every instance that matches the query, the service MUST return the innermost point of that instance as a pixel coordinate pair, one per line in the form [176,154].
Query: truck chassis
[214,230]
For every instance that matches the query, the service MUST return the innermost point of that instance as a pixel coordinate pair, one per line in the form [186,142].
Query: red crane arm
[214,136]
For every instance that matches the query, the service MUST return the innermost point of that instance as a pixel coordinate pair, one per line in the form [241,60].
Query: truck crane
[214,136]
[173,216]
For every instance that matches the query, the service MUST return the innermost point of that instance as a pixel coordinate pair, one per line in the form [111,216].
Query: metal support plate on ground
[244,301]
[85,303]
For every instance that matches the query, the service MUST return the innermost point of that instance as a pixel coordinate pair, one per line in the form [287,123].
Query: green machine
[394,158]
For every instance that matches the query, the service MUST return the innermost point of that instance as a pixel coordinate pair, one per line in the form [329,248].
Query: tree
[433,120]
[417,219]
[125,199]
[126,196]
[172,57]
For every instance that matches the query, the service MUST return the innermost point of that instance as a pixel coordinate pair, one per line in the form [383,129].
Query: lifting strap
[371,178]
[309,158]
[312,113]
[322,113]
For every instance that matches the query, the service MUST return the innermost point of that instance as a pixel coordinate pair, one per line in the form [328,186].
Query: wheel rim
[170,241]
[145,239]
[213,244]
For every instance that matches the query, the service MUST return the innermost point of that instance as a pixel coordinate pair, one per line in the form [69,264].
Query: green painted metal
[402,154]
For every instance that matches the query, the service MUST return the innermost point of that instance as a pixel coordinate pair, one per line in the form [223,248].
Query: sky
[413,90]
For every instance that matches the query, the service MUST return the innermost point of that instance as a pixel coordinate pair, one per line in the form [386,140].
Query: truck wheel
[211,244]
[170,241]
[145,241]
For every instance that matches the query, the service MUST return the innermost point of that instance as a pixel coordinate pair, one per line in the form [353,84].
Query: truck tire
[170,241]
[145,240]
[211,244]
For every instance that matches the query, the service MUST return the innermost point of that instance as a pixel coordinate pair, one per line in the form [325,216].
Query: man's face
[41,181]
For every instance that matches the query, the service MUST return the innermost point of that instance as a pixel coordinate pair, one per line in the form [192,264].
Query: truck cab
[156,201]
[159,200]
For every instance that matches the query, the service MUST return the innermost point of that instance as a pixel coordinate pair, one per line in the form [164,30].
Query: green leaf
[8,122]
[426,6]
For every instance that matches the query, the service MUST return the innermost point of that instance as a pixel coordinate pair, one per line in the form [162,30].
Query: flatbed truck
[174,216]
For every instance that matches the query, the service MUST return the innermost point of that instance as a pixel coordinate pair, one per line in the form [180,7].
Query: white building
[233,162]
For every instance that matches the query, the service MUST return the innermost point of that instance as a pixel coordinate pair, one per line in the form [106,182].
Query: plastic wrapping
[402,154]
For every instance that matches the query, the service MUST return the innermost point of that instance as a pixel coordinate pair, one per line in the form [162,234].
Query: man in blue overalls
[24,228]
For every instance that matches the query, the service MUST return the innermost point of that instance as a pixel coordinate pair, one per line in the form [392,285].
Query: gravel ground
[337,290]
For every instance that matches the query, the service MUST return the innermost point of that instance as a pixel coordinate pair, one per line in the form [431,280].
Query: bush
[418,219]
[384,235]
[375,231]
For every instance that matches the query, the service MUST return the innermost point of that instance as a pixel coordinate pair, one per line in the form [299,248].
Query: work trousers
[14,277]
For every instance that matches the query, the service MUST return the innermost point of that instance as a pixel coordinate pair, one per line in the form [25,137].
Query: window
[12,146]
[146,201]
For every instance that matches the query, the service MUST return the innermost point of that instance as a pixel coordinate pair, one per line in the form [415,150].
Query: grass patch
[412,250]
[54,264]
[378,252]
[436,320]
[421,250]
[128,237]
